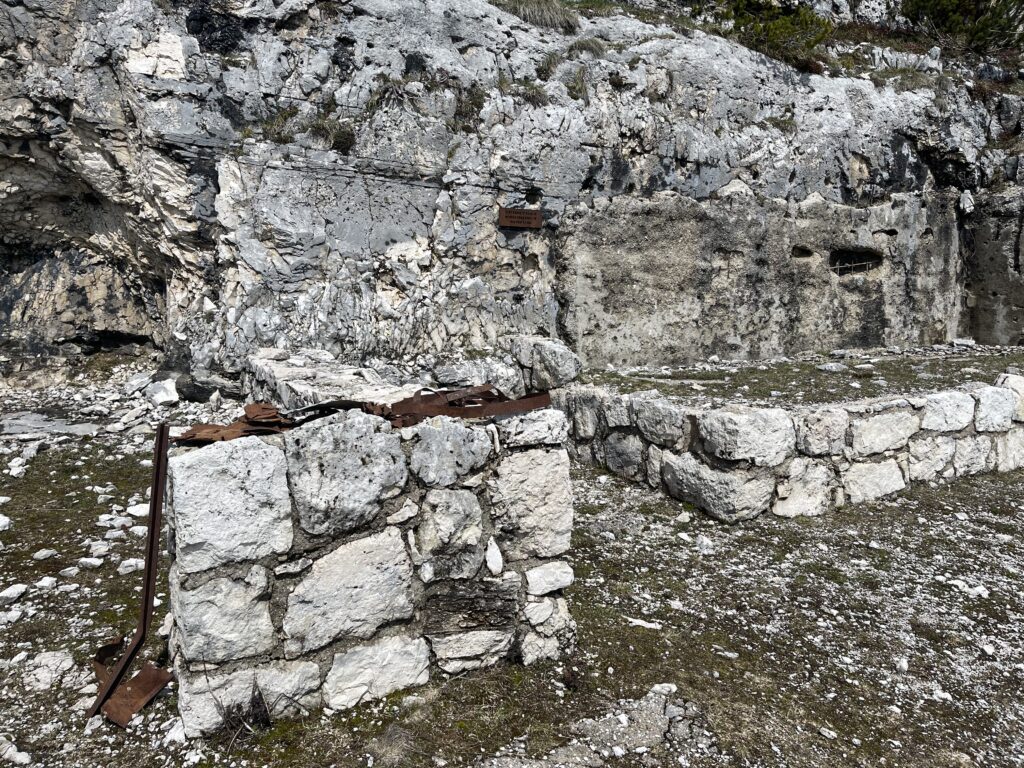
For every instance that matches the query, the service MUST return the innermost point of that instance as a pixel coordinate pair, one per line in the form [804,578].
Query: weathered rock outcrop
[223,176]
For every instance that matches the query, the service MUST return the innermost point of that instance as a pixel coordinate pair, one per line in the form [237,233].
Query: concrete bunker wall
[735,462]
[345,559]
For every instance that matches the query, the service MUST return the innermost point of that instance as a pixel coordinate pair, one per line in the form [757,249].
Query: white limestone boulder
[287,688]
[624,455]
[229,503]
[730,496]
[547,426]
[531,498]
[865,481]
[477,648]
[973,455]
[764,436]
[374,670]
[446,449]
[661,421]
[341,469]
[996,407]
[929,455]
[350,592]
[806,489]
[1015,384]
[223,619]
[883,432]
[1010,450]
[548,363]
[822,432]
[450,535]
[947,411]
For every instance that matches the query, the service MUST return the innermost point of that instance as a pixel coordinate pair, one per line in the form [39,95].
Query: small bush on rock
[788,32]
[983,26]
[341,137]
[277,127]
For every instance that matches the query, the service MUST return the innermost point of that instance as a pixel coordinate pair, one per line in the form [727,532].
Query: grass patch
[542,13]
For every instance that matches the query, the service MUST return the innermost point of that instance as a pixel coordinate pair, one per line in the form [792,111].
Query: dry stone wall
[737,461]
[345,560]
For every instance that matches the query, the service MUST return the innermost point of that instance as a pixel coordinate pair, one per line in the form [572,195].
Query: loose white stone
[350,592]
[5,523]
[13,593]
[130,565]
[376,669]
[229,502]
[495,562]
[549,577]
[162,392]
[44,554]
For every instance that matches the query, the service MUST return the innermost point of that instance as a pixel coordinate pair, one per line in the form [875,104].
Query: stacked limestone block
[345,560]
[736,462]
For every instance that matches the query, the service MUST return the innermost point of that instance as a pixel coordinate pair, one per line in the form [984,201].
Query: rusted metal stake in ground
[122,702]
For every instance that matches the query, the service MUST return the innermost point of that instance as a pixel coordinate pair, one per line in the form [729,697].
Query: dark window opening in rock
[534,195]
[802,252]
[848,261]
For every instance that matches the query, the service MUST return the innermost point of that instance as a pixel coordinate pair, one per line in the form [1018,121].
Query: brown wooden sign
[520,218]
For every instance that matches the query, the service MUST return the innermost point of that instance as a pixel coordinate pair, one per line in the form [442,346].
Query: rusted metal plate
[129,698]
[520,218]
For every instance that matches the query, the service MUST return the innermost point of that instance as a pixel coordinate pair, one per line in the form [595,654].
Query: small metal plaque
[520,218]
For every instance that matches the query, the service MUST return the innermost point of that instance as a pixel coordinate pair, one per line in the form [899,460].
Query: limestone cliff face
[221,177]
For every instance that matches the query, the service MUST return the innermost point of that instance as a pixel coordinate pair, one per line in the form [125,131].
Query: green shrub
[979,25]
[542,13]
[788,32]
[277,127]
[468,103]
[591,45]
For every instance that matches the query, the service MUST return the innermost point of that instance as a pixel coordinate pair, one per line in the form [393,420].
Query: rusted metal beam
[122,701]
[479,402]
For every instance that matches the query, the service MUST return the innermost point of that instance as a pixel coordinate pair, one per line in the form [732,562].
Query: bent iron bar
[122,702]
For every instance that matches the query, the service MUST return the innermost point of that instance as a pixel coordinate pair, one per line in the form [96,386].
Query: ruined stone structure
[345,560]
[736,461]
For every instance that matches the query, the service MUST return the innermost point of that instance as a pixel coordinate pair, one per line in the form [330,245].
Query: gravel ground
[882,634]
